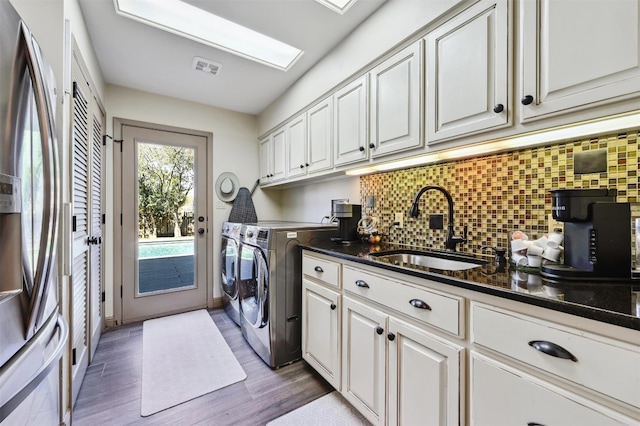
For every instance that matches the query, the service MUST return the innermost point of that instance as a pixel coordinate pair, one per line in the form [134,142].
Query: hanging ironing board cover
[243,210]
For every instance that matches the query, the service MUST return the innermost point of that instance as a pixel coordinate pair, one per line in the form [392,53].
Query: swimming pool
[150,249]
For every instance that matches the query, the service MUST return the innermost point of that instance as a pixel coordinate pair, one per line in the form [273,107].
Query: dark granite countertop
[613,303]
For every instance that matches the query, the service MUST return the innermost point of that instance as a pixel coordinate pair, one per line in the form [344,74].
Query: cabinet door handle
[552,349]
[534,424]
[318,269]
[527,100]
[417,303]
[379,330]
[372,145]
[302,166]
[362,284]
[361,148]
[391,337]
[333,306]
[498,108]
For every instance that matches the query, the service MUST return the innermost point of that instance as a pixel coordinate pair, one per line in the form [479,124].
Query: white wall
[234,150]
[311,202]
[393,23]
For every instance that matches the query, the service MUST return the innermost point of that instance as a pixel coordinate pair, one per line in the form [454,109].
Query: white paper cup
[519,259]
[552,254]
[542,242]
[555,239]
[535,250]
[521,276]
[534,281]
[519,245]
[534,261]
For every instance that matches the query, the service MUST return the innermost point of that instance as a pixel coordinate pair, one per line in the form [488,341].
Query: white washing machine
[229,268]
[270,288]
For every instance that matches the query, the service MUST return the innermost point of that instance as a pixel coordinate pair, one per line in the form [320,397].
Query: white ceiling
[138,56]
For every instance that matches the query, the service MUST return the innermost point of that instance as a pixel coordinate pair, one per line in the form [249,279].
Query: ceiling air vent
[205,65]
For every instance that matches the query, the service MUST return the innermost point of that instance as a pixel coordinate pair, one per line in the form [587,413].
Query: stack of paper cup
[530,253]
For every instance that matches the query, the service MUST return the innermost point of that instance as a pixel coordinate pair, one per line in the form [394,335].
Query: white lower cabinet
[364,359]
[424,377]
[321,330]
[501,395]
[460,358]
[423,382]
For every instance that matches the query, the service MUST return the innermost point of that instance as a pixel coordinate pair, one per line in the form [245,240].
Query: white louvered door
[86,278]
[95,255]
[79,277]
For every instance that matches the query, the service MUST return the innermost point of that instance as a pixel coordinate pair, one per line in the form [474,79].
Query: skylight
[339,6]
[196,24]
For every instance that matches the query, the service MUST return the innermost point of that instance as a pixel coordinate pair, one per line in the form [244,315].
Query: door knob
[379,330]
[200,231]
[200,219]
[333,306]
[391,336]
[498,108]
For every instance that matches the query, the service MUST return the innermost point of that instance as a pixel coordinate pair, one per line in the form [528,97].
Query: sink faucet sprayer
[452,240]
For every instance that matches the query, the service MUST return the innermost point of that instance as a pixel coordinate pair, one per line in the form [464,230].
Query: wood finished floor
[110,393]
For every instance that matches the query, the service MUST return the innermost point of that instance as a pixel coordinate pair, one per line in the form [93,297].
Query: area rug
[183,357]
[329,410]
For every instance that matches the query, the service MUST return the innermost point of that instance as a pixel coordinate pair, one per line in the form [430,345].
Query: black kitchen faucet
[452,240]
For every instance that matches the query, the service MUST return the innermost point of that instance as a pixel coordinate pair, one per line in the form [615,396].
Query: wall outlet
[369,202]
[399,219]
[554,225]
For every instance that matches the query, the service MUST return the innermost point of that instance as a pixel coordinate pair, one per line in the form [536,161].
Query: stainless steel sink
[428,259]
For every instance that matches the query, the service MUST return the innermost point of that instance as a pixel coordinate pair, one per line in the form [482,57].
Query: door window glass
[165,246]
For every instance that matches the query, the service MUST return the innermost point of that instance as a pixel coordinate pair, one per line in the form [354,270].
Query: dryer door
[254,286]
[229,267]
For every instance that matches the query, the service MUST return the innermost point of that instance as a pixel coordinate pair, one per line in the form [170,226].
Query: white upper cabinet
[395,103]
[320,136]
[272,157]
[296,140]
[577,54]
[468,75]
[350,122]
[265,160]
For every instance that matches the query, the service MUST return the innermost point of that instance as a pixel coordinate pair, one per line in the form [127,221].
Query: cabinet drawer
[436,309]
[321,269]
[501,395]
[601,364]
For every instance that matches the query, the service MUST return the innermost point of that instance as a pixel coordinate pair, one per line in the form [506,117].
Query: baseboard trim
[216,303]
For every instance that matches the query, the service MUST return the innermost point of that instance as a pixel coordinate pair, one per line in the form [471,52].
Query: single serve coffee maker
[348,216]
[597,236]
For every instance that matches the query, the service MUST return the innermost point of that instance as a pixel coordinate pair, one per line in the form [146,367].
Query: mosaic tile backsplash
[497,194]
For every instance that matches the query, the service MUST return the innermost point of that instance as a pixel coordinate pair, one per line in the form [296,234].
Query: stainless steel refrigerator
[33,334]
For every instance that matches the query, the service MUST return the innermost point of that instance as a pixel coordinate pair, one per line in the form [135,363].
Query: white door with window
[164,222]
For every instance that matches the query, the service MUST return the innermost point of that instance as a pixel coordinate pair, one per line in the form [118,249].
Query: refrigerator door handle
[35,380]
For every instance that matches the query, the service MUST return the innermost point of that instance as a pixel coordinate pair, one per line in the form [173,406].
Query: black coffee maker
[597,236]
[348,216]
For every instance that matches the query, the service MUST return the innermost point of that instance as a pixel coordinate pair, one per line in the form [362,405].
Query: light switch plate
[399,219]
[554,225]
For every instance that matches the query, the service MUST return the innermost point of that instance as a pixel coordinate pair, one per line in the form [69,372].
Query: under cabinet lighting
[188,21]
[338,6]
[618,123]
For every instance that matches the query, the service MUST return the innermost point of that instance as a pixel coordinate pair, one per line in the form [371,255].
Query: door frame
[116,289]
